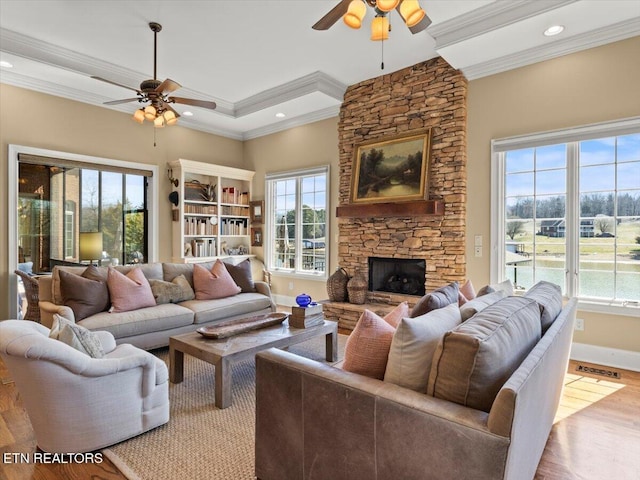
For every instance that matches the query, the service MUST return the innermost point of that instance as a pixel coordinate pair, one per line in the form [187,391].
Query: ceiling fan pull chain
[382,52]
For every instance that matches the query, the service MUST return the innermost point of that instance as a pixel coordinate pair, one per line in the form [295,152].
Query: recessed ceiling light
[5,64]
[187,114]
[553,30]
[280,115]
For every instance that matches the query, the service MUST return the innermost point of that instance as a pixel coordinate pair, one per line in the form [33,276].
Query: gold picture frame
[392,170]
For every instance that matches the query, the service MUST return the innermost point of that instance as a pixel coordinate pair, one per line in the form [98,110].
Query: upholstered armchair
[77,403]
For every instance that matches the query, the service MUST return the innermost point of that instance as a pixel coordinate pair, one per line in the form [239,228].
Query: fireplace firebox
[397,275]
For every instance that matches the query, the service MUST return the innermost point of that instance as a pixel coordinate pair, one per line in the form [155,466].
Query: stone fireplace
[429,95]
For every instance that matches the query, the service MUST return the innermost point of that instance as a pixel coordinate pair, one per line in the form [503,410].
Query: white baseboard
[284,300]
[611,357]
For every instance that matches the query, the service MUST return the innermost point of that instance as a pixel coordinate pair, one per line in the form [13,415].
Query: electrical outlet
[290,285]
[478,251]
[580,324]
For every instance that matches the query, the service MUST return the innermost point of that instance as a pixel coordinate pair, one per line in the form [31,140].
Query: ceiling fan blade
[167,86]
[116,84]
[332,17]
[195,103]
[118,102]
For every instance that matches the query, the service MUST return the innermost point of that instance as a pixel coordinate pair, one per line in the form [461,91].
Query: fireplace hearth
[397,275]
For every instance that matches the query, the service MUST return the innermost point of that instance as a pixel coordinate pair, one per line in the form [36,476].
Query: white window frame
[498,149]
[270,226]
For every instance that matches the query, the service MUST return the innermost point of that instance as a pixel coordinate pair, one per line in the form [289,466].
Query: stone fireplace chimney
[431,95]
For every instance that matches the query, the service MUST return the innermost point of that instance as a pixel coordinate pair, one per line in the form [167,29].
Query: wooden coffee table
[222,352]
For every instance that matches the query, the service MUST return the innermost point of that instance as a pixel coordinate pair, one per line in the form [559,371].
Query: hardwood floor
[596,435]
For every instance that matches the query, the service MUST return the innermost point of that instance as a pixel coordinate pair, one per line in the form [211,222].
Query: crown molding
[314,82]
[298,121]
[583,41]
[491,17]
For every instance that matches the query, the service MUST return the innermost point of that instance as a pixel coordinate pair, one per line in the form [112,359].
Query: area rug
[200,440]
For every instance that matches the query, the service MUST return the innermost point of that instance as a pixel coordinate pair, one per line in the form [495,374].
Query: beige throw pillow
[76,336]
[414,344]
[175,291]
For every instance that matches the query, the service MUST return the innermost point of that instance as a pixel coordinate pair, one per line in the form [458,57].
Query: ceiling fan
[353,11]
[156,94]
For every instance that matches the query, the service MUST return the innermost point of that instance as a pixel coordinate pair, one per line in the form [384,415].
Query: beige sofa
[314,421]
[151,327]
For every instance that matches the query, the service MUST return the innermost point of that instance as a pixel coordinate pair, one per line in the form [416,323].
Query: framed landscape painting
[391,170]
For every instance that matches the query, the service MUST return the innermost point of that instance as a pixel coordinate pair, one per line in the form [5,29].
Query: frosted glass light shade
[170,117]
[380,29]
[138,116]
[387,5]
[355,13]
[411,12]
[150,112]
[159,122]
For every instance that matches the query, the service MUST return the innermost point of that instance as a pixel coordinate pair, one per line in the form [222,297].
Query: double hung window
[296,205]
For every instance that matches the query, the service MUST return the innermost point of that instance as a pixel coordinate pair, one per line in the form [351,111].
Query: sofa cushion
[414,342]
[218,309]
[141,321]
[241,274]
[478,304]
[549,297]
[129,292]
[175,291]
[151,271]
[76,336]
[472,362]
[441,297]
[367,347]
[55,280]
[85,294]
[213,284]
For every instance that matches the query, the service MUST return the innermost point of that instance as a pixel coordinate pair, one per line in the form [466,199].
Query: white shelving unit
[212,218]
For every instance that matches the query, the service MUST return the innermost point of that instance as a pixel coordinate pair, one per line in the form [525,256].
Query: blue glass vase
[303,300]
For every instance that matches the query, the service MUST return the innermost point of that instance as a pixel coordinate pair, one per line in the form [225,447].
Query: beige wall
[588,87]
[315,144]
[44,121]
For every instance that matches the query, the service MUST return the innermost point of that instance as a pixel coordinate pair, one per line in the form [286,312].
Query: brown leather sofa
[315,421]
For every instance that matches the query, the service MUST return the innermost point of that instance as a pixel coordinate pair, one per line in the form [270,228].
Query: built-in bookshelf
[212,215]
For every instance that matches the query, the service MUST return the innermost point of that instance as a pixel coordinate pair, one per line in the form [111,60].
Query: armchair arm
[265,289]
[106,339]
[48,309]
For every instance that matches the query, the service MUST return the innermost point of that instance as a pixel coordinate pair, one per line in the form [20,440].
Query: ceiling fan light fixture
[170,118]
[411,12]
[387,5]
[138,116]
[159,122]
[150,112]
[355,13]
[380,28]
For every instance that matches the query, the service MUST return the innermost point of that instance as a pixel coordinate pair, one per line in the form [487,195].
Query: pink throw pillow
[213,284]
[394,316]
[466,293]
[367,347]
[129,292]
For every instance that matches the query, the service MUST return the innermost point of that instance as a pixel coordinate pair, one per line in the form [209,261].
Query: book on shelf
[306,322]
